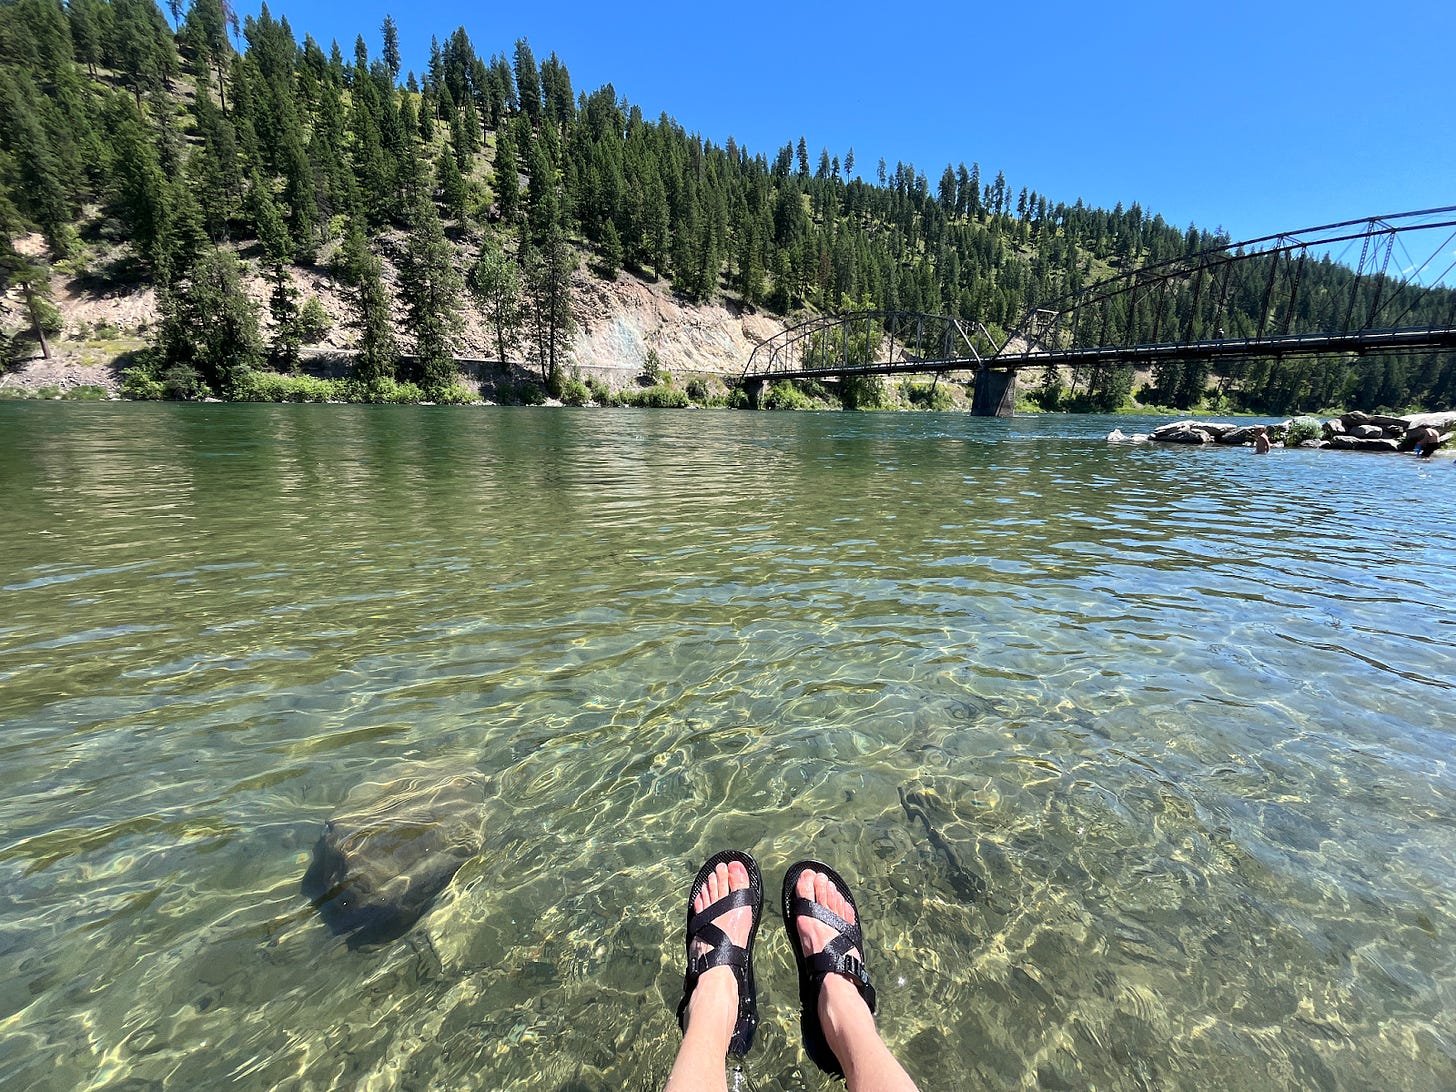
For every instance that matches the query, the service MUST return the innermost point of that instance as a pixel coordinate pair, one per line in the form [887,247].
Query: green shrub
[652,369]
[862,392]
[48,393]
[455,394]
[379,392]
[663,397]
[698,391]
[930,396]
[738,399]
[183,383]
[105,331]
[575,393]
[658,397]
[76,265]
[12,353]
[529,394]
[313,321]
[141,381]
[87,393]
[1301,429]
[812,388]
[601,394]
[783,395]
[273,387]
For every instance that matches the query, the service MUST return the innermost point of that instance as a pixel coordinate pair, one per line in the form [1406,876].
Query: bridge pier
[994,394]
[755,389]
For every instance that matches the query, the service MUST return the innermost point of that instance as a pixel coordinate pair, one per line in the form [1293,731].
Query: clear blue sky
[1256,117]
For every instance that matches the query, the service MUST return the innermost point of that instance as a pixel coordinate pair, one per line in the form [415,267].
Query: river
[1139,756]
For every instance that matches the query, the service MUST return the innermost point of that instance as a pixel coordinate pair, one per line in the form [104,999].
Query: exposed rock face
[394,845]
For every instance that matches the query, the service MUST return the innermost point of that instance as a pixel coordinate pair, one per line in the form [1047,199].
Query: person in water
[1261,440]
[1426,441]
[719,1008]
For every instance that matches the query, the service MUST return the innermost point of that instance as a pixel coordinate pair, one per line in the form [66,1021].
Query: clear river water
[1139,757]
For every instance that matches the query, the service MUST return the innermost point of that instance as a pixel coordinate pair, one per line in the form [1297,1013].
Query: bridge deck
[1434,339]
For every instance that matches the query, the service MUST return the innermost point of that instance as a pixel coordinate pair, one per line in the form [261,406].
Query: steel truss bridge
[1228,303]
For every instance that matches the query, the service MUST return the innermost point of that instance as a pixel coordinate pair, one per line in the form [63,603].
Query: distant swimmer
[1261,440]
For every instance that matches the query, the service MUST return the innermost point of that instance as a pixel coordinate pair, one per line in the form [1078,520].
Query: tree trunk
[45,349]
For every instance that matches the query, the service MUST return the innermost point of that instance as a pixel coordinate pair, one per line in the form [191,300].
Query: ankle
[713,1006]
[840,1005]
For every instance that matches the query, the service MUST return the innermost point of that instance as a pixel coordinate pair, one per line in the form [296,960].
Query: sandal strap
[734,900]
[722,950]
[809,908]
[835,957]
[846,964]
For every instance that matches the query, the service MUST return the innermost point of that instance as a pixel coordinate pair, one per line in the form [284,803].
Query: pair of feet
[714,1001]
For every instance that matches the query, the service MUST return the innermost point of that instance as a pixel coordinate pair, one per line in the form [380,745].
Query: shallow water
[1139,756]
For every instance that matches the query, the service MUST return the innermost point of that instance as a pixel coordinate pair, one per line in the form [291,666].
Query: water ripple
[1140,758]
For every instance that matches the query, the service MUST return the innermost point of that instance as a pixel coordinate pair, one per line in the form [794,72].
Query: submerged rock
[394,845]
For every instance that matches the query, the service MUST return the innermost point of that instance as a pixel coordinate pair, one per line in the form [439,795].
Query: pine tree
[391,46]
[278,248]
[528,81]
[496,287]
[429,288]
[205,34]
[506,180]
[210,325]
[544,206]
[377,355]
[34,280]
[453,190]
[141,46]
[138,189]
[611,251]
[550,297]
[39,189]
[88,31]
[556,88]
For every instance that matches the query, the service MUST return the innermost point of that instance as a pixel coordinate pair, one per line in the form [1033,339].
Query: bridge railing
[863,341]
[1257,291]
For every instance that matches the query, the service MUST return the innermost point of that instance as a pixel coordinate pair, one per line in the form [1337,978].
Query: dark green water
[1140,757]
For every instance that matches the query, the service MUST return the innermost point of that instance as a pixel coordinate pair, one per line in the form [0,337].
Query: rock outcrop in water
[394,845]
[1349,432]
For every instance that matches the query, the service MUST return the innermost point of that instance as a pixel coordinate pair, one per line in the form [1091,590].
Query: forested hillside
[183,149]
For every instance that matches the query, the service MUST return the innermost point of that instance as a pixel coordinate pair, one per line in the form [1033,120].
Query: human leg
[717,1013]
[823,924]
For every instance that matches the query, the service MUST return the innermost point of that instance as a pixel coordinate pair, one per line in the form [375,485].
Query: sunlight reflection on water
[1138,756]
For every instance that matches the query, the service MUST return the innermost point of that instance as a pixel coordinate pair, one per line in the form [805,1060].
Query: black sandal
[834,958]
[723,951]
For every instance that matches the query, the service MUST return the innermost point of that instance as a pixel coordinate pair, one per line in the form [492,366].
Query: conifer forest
[183,147]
